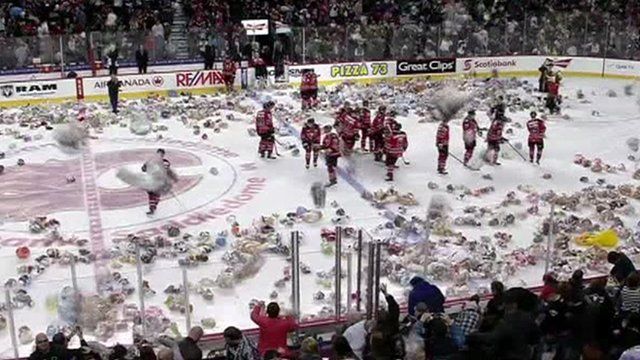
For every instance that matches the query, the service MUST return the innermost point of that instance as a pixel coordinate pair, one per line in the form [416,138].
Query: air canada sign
[134,82]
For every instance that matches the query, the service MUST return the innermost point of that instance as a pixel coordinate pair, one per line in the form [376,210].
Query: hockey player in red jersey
[154,197]
[365,125]
[395,145]
[553,97]
[310,136]
[348,128]
[537,130]
[442,143]
[309,89]
[494,139]
[470,131]
[376,133]
[229,73]
[331,147]
[265,129]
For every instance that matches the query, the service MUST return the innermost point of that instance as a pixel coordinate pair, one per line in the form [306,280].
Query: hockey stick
[516,150]
[462,162]
[173,194]
[405,161]
[275,147]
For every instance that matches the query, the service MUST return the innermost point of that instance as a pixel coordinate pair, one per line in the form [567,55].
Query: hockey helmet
[472,112]
[327,127]
[365,103]
[534,114]
[269,104]
[382,108]
[161,151]
[310,121]
[396,126]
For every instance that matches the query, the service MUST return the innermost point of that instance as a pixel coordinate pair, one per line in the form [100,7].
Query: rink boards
[187,80]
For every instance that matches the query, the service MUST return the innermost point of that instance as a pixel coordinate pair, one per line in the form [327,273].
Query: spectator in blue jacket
[427,293]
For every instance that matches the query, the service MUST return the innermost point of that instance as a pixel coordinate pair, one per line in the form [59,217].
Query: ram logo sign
[29,89]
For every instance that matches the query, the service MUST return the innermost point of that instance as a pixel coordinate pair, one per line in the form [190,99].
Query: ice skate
[150,213]
[331,183]
[306,166]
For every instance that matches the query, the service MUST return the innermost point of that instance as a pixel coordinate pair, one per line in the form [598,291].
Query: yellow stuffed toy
[607,239]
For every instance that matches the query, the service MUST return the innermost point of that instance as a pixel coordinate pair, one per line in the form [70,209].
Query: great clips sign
[430,66]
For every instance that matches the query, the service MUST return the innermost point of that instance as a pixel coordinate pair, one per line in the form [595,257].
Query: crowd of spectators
[566,320]
[334,29]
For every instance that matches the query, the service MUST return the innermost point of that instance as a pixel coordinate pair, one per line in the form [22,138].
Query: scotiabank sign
[194,79]
[431,66]
[489,64]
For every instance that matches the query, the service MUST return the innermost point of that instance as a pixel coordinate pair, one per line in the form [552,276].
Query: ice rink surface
[100,208]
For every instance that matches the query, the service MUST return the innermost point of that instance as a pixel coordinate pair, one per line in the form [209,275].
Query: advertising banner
[362,70]
[427,66]
[256,27]
[199,79]
[37,90]
[130,84]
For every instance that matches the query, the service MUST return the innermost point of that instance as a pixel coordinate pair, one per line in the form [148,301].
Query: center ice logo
[39,189]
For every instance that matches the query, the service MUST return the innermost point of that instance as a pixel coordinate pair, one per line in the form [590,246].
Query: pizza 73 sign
[360,70]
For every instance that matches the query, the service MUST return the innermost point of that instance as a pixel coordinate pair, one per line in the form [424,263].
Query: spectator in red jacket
[273,328]
[550,287]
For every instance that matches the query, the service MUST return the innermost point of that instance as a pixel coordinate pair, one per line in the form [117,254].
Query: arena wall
[188,80]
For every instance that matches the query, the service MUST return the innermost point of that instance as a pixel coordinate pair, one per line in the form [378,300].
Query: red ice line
[92,204]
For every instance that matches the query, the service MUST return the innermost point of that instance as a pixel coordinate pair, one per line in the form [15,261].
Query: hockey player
[309,89]
[553,97]
[331,147]
[395,146]
[229,73]
[498,109]
[154,197]
[470,130]
[265,129]
[365,125]
[494,138]
[542,80]
[376,133]
[310,136]
[537,130]
[442,143]
[347,126]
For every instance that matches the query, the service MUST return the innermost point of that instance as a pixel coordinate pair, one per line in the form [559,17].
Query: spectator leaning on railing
[273,328]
